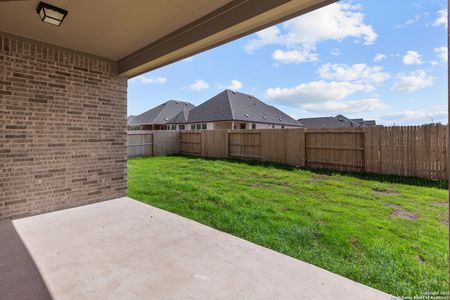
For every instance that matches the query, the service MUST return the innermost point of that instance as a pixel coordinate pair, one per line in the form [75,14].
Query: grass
[390,236]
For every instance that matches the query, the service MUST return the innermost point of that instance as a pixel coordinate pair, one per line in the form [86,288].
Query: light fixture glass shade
[52,21]
[51,14]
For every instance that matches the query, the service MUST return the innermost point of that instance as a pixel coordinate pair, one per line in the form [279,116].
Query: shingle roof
[130,118]
[338,121]
[181,117]
[162,113]
[359,121]
[369,123]
[234,106]
[324,122]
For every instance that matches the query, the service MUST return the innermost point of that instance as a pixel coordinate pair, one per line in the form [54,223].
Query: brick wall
[62,129]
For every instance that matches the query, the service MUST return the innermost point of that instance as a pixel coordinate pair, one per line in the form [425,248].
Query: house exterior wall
[221,125]
[229,125]
[62,129]
[148,127]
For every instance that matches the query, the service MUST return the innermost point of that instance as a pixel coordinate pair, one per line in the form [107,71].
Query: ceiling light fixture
[51,14]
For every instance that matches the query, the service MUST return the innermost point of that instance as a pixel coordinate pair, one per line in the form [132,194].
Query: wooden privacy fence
[140,144]
[152,143]
[244,145]
[335,149]
[404,150]
[407,150]
[419,151]
[191,143]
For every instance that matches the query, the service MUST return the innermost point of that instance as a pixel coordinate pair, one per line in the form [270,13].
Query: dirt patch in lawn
[283,184]
[287,209]
[444,219]
[382,191]
[354,242]
[440,204]
[421,258]
[318,178]
[260,185]
[399,212]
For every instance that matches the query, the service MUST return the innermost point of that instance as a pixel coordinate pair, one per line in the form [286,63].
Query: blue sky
[376,59]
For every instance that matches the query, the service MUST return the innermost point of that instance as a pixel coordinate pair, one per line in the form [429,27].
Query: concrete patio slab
[19,277]
[124,249]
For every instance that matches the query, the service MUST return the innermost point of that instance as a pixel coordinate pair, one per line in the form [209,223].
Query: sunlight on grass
[390,236]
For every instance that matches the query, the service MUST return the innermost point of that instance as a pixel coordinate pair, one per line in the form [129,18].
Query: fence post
[202,144]
[364,156]
[227,143]
[153,144]
[305,132]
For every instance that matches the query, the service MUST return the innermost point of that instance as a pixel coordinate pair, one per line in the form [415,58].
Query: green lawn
[390,236]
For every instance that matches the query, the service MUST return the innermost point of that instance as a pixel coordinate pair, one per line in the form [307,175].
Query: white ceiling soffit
[142,35]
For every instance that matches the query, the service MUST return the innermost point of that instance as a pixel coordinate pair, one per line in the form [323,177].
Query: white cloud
[151,80]
[300,35]
[412,58]
[235,85]
[442,19]
[295,56]
[442,53]
[324,97]
[313,91]
[433,62]
[335,52]
[379,57]
[413,81]
[330,96]
[413,20]
[336,21]
[199,85]
[343,107]
[425,115]
[357,72]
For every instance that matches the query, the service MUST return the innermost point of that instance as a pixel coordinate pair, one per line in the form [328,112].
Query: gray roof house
[130,118]
[158,117]
[181,117]
[338,121]
[366,123]
[234,106]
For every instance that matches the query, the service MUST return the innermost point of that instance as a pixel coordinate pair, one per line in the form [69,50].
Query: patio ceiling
[142,35]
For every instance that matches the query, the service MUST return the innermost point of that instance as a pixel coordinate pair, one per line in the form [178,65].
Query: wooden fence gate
[191,143]
[244,145]
[335,149]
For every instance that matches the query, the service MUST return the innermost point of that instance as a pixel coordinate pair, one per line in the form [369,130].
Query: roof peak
[162,113]
[231,105]
[236,92]
[177,101]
